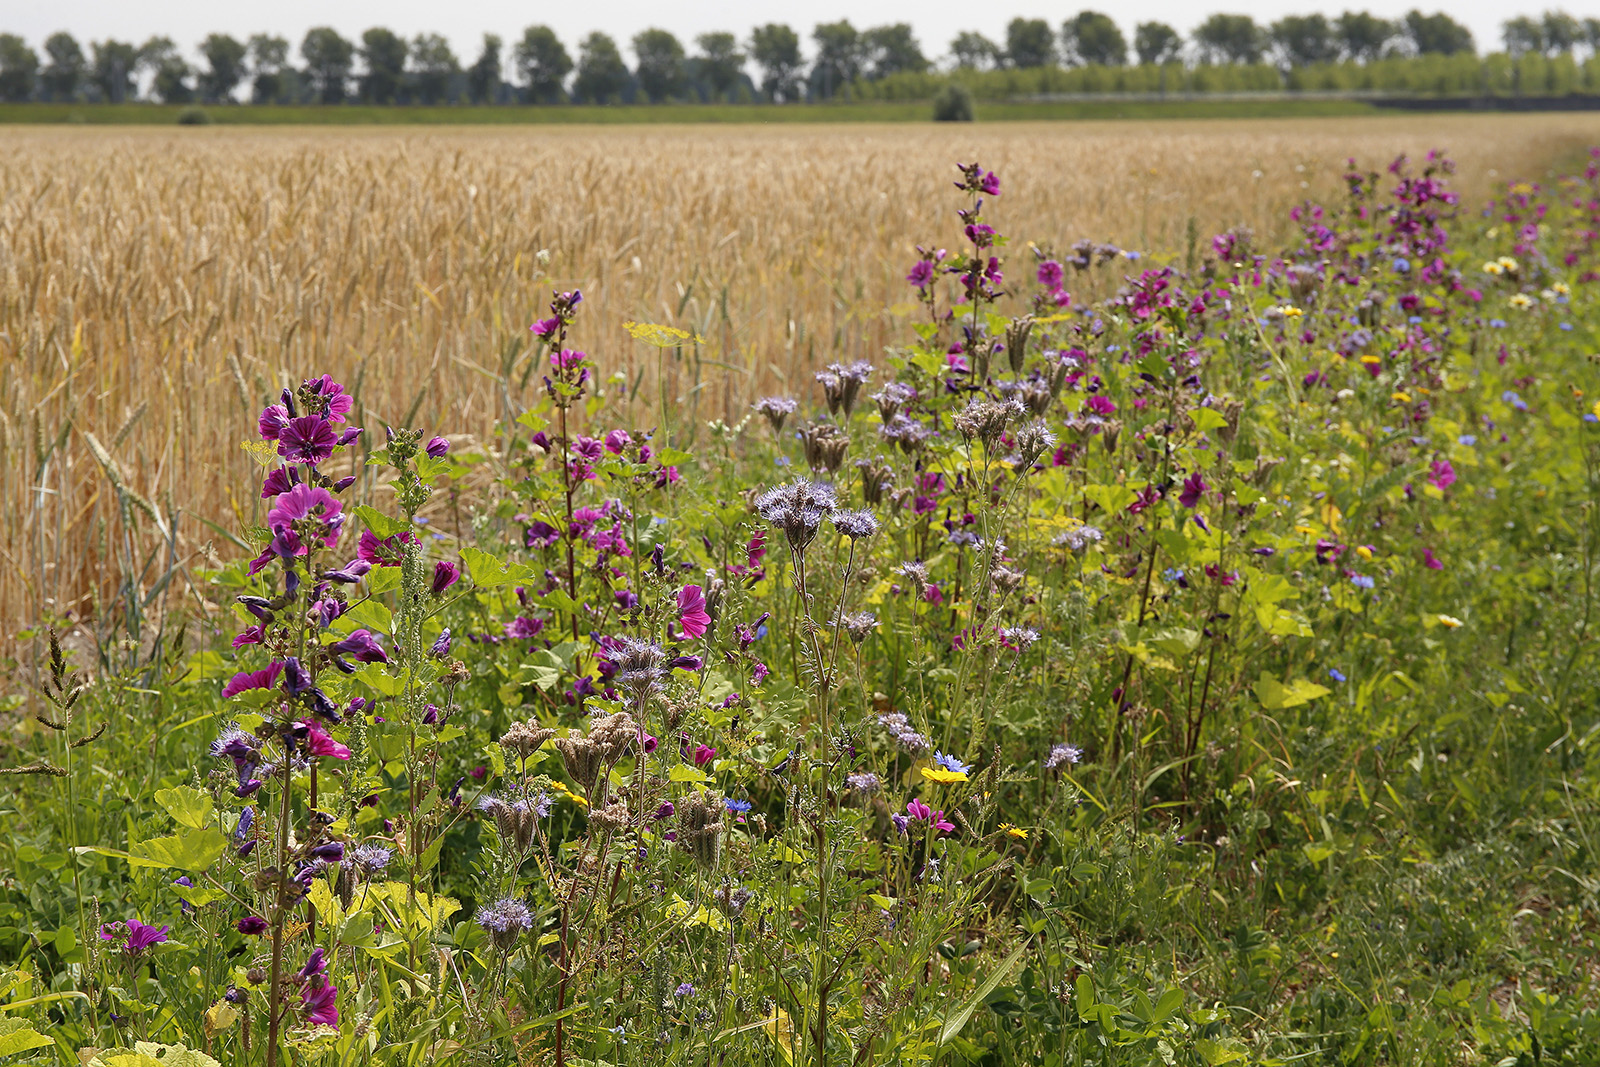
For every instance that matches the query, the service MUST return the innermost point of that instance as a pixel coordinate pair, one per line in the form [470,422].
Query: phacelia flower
[1062,755]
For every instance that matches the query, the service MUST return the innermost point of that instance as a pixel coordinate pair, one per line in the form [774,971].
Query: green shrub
[953,104]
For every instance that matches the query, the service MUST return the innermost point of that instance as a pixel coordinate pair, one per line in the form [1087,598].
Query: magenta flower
[320,744]
[266,678]
[134,936]
[921,273]
[1051,274]
[704,754]
[272,421]
[546,328]
[308,439]
[307,502]
[445,574]
[692,611]
[1441,475]
[922,813]
[337,403]
[385,553]
[437,447]
[1194,488]
[252,926]
[1432,562]
[991,183]
[1103,406]
[567,359]
[616,441]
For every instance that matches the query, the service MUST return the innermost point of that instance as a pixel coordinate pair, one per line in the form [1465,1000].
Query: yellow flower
[1561,289]
[939,774]
[1289,311]
[1492,267]
[1371,361]
[1402,397]
[1450,621]
[1521,300]
[1507,263]
[1363,551]
[570,795]
[1013,831]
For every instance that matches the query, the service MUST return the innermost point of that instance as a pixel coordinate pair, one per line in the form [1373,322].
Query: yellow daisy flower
[1450,622]
[1013,830]
[944,777]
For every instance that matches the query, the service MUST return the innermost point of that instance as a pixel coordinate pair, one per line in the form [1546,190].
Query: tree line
[383,67]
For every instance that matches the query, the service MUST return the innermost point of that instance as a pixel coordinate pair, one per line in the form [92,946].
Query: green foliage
[1205,676]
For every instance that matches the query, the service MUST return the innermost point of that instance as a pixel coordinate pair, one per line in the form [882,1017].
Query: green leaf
[1113,499]
[382,526]
[1215,1053]
[685,773]
[488,572]
[187,805]
[1207,419]
[1274,695]
[953,1025]
[193,852]
[383,579]
[430,855]
[370,614]
[150,1054]
[17,1036]
[1175,641]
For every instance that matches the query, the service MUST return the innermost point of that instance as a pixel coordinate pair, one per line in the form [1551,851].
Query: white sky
[465,21]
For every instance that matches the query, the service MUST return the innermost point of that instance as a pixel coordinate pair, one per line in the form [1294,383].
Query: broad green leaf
[685,773]
[382,526]
[369,614]
[193,852]
[17,1036]
[1207,419]
[489,572]
[187,805]
[1176,641]
[150,1054]
[1274,695]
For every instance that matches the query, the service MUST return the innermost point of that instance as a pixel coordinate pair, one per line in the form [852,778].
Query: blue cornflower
[950,763]
[1361,581]
[1467,439]
[738,806]
[1401,264]
[1336,674]
[685,989]
[1498,324]
[1566,326]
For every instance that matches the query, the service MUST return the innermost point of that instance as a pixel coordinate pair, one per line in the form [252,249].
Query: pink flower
[1441,475]
[692,611]
[1194,488]
[704,754]
[304,502]
[921,274]
[265,678]
[1431,561]
[385,553]
[759,674]
[320,744]
[317,999]
[933,594]
[616,441]
[922,813]
[1099,405]
[1050,274]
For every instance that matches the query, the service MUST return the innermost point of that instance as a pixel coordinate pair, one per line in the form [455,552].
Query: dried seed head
[825,445]
[1017,342]
[524,738]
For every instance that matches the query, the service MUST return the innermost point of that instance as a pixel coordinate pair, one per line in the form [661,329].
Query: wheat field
[160,285]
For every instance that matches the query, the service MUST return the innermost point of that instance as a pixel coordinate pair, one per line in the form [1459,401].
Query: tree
[328,57]
[542,63]
[483,77]
[601,73]
[974,51]
[1230,39]
[383,54]
[114,65]
[776,50]
[63,75]
[170,72]
[1522,35]
[19,68]
[433,65]
[1029,43]
[1437,34]
[838,61]
[1156,42]
[1304,39]
[268,56]
[1362,36]
[890,50]
[1090,37]
[224,67]
[1591,34]
[660,69]
[1562,33]
[721,62]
